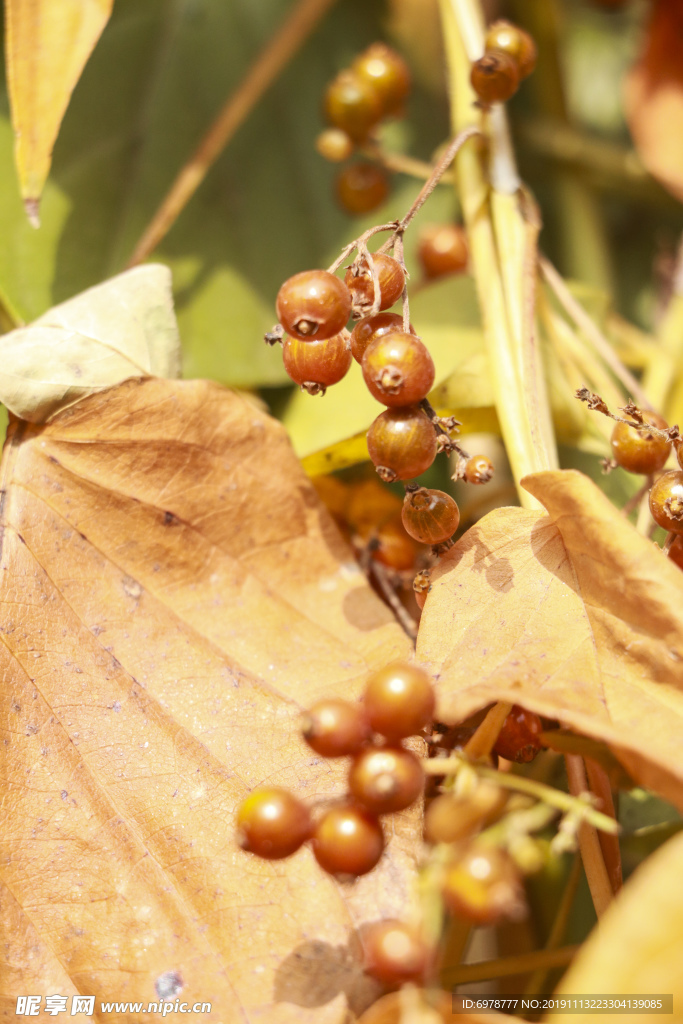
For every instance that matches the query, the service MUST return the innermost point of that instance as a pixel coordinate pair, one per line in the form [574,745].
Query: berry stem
[360,243]
[577,803]
[589,843]
[270,62]
[377,572]
[506,966]
[402,164]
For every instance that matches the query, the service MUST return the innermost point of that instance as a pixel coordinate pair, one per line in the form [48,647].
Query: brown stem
[359,243]
[635,499]
[437,174]
[592,332]
[378,573]
[402,164]
[272,60]
[589,843]
[609,844]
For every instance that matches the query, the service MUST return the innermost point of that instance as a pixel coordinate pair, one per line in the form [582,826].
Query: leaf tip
[32,208]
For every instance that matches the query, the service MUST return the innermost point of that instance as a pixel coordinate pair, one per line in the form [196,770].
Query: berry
[315,365]
[348,841]
[359,282]
[666,501]
[518,44]
[483,886]
[393,953]
[518,740]
[398,369]
[478,470]
[391,545]
[272,823]
[313,305]
[639,450]
[494,77]
[399,701]
[334,144]
[430,516]
[421,587]
[386,779]
[371,505]
[353,105]
[362,187]
[676,552]
[335,728]
[372,327]
[387,73]
[442,249]
[402,443]
[449,819]
[679,453]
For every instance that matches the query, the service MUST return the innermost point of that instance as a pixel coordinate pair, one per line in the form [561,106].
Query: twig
[635,499]
[437,174]
[589,844]
[569,804]
[402,164]
[483,741]
[592,332]
[506,966]
[272,60]
[609,844]
[405,619]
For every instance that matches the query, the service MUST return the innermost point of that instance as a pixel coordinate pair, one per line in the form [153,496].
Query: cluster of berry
[481,881]
[383,777]
[645,448]
[375,87]
[509,56]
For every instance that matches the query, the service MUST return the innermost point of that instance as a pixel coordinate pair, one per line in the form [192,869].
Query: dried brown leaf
[653,97]
[172,593]
[638,947]
[572,614]
[48,43]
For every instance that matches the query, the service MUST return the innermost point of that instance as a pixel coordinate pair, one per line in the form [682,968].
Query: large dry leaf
[653,96]
[638,947]
[572,614]
[47,45]
[171,594]
[123,328]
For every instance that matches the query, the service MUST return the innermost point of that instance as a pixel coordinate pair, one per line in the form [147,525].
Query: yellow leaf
[48,43]
[572,614]
[348,408]
[638,947]
[172,594]
[123,328]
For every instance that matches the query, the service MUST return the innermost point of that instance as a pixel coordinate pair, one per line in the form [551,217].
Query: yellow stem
[557,932]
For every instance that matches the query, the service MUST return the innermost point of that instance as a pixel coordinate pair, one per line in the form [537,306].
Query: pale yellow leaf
[123,328]
[638,946]
[47,45]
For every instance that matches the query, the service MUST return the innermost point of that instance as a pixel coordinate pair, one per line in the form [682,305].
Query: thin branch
[399,163]
[589,843]
[272,60]
[482,742]
[592,332]
[506,966]
[600,785]
[440,168]
[380,576]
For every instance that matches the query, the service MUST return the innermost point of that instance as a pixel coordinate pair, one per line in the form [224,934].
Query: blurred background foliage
[154,84]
